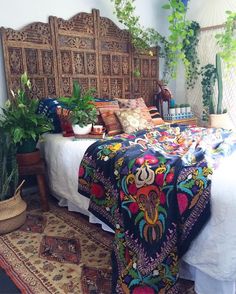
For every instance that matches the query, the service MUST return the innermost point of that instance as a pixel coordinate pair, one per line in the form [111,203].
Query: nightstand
[185,121]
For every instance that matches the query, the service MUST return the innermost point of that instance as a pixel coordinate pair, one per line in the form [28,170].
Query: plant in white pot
[12,207]
[83,113]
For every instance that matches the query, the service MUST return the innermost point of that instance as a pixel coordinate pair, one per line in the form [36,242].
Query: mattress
[211,259]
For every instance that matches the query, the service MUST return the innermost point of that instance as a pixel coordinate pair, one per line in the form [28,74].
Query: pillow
[132,120]
[111,121]
[66,125]
[155,115]
[131,103]
[48,108]
[104,103]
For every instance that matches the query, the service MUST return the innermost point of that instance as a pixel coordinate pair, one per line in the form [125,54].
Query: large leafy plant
[20,118]
[8,166]
[82,109]
[213,73]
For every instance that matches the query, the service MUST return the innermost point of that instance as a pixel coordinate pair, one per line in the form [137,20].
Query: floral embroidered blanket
[152,188]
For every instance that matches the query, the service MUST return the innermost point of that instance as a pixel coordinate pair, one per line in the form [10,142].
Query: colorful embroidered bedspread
[153,189]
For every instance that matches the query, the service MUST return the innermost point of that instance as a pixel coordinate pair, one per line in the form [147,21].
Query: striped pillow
[155,115]
[111,121]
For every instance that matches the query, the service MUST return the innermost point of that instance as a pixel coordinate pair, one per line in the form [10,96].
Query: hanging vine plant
[174,47]
[190,50]
[227,40]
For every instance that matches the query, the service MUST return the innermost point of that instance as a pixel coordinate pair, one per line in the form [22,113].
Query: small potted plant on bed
[12,206]
[82,112]
[21,120]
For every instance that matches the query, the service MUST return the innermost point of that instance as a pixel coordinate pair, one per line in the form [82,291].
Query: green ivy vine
[180,44]
[190,50]
[227,41]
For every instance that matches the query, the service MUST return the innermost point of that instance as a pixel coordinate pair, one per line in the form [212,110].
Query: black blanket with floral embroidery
[153,189]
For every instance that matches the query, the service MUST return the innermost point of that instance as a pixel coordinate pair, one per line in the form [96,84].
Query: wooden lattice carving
[87,48]
[31,50]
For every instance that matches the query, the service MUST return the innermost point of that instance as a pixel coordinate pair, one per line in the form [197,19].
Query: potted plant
[21,120]
[82,112]
[212,106]
[12,206]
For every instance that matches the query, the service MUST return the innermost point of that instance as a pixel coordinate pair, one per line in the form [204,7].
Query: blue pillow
[48,108]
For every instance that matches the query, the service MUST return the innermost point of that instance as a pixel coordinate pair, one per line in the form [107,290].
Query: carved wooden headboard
[88,48]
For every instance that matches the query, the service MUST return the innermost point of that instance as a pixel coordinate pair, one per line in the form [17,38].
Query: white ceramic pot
[82,130]
[172,111]
[177,110]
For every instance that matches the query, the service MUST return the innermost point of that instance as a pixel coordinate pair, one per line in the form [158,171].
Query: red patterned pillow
[66,127]
[111,121]
[105,104]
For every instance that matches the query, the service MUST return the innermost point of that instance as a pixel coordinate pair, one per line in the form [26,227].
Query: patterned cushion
[131,103]
[101,103]
[155,115]
[105,103]
[66,125]
[132,120]
[48,108]
[111,121]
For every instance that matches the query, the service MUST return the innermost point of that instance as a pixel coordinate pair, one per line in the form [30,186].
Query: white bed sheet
[211,260]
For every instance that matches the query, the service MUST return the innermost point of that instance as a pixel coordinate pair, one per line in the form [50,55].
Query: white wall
[17,14]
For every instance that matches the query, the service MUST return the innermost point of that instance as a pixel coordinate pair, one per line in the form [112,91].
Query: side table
[39,170]
[185,121]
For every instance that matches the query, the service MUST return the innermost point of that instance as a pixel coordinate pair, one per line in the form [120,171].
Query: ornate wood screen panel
[86,48]
[114,59]
[145,74]
[76,45]
[31,50]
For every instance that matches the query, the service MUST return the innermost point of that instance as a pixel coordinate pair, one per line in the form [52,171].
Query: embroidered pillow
[111,121]
[101,103]
[155,115]
[132,120]
[131,103]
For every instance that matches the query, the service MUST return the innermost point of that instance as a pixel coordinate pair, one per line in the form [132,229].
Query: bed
[92,50]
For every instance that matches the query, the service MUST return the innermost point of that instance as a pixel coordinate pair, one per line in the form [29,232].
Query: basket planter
[12,213]
[220,121]
[28,158]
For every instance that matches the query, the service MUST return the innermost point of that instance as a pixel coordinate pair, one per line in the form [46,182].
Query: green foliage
[227,41]
[83,111]
[8,166]
[20,118]
[180,44]
[209,76]
[190,44]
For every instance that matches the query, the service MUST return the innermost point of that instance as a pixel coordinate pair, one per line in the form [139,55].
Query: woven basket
[12,213]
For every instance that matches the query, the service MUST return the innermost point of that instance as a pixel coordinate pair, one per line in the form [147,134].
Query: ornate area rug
[60,252]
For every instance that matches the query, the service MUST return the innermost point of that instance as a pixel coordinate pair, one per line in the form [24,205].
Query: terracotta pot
[28,158]
[12,213]
[220,121]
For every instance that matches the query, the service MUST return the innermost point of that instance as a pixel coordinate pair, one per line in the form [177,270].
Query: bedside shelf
[184,121]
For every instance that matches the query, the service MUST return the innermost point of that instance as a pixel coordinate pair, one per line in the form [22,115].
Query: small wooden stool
[39,170]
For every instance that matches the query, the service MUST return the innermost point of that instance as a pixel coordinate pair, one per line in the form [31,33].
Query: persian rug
[60,252]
